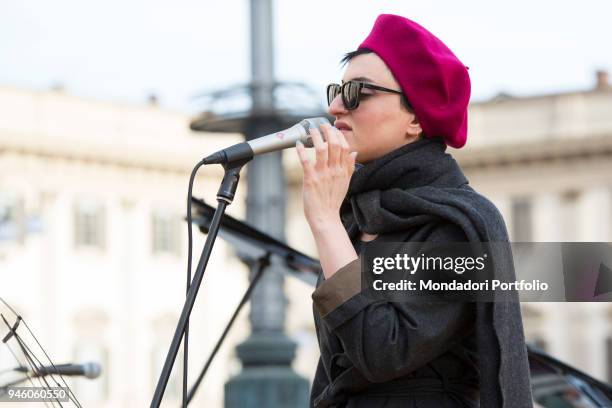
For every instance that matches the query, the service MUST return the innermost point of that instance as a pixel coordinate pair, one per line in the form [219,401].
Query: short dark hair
[350,55]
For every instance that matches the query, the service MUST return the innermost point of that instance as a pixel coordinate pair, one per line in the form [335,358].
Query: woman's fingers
[339,149]
[306,165]
[344,146]
[334,154]
[320,148]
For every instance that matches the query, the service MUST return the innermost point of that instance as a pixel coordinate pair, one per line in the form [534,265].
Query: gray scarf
[420,183]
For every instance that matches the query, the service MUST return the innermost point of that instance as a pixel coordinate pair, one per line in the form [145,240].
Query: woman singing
[382,173]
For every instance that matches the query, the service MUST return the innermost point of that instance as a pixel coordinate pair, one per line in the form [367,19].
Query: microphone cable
[189,252]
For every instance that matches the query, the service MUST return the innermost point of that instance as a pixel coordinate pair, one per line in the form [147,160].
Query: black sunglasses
[351,92]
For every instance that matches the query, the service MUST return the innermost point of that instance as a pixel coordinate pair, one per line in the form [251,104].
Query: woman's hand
[326,182]
[325,185]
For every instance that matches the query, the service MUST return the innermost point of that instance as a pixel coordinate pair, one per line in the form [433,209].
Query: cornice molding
[540,152]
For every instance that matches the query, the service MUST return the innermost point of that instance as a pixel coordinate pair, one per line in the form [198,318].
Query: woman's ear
[414,129]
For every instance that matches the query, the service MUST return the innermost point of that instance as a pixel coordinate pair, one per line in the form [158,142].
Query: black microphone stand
[260,249]
[225,196]
[262,263]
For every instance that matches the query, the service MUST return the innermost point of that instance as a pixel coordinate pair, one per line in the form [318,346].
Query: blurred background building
[93,241]
[546,162]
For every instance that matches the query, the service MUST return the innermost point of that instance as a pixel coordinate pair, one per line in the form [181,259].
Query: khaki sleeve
[340,287]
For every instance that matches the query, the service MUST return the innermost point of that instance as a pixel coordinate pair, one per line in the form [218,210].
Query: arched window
[522,223]
[163,329]
[90,346]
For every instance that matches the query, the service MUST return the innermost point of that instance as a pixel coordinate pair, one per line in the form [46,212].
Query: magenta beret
[435,82]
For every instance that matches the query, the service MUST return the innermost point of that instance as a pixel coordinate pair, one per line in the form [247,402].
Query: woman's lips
[341,126]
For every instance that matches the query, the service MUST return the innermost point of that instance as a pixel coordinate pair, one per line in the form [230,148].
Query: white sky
[124,50]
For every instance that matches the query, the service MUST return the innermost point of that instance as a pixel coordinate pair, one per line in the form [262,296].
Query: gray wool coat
[376,353]
[365,347]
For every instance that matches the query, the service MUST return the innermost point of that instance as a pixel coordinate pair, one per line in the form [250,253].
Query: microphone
[245,151]
[89,370]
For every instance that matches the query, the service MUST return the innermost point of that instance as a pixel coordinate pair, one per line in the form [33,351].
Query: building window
[540,344]
[522,225]
[12,218]
[89,223]
[175,382]
[89,346]
[162,328]
[166,233]
[96,389]
[569,216]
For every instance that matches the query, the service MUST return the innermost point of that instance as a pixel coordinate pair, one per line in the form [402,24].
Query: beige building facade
[93,242]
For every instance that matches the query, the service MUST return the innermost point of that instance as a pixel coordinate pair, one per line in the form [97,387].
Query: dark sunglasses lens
[350,95]
[332,91]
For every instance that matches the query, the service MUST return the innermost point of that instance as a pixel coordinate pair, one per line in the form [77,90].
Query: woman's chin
[348,135]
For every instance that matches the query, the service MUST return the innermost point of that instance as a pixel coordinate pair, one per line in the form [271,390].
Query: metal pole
[267,379]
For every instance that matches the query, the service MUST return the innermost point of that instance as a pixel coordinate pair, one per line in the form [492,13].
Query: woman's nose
[336,107]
